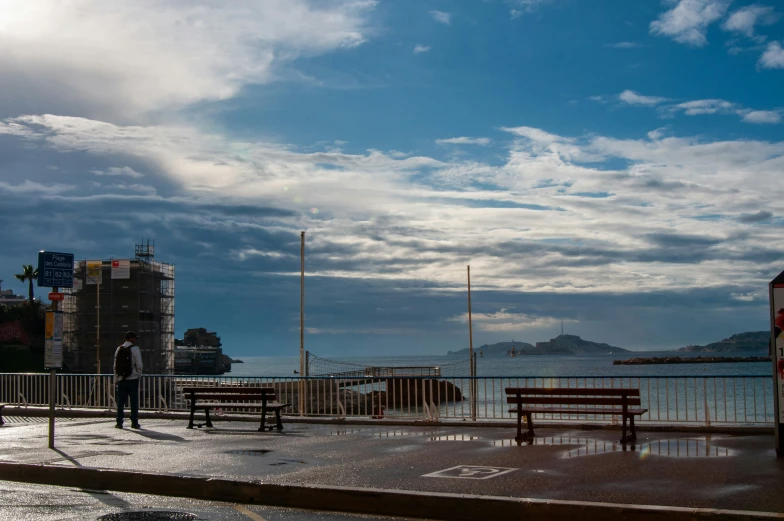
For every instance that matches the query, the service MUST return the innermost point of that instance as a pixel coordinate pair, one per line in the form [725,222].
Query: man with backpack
[127,371]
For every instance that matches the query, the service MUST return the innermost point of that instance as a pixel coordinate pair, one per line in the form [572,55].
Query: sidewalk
[727,472]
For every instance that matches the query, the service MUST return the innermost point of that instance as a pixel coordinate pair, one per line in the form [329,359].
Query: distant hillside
[750,342]
[499,349]
[560,345]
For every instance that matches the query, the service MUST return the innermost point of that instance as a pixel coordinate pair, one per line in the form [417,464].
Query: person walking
[127,371]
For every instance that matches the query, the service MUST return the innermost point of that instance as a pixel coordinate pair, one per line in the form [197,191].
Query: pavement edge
[359,500]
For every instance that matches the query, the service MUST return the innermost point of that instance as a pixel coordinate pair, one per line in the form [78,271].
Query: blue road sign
[55,270]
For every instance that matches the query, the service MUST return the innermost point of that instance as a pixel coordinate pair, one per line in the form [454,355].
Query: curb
[33,411]
[460,507]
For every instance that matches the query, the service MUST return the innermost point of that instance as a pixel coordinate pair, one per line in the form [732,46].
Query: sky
[614,168]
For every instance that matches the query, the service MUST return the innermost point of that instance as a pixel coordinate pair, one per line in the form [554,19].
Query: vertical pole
[777,357]
[52,388]
[302,325]
[471,348]
[98,326]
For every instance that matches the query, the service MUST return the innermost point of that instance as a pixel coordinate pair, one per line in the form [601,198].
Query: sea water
[519,366]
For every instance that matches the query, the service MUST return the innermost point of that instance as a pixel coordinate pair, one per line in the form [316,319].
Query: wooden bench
[234,397]
[615,402]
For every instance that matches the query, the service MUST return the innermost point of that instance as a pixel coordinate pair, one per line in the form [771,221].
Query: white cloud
[704,106]
[744,19]
[632,98]
[773,57]
[441,17]
[464,141]
[761,116]
[688,21]
[537,229]
[116,171]
[624,45]
[123,59]
[507,321]
[419,48]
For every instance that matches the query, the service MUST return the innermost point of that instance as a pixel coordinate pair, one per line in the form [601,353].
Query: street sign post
[53,342]
[55,270]
[777,355]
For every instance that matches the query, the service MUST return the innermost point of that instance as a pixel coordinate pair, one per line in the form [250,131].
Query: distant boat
[481,354]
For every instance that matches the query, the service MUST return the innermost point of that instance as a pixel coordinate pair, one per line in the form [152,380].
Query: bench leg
[263,417]
[277,417]
[529,418]
[1,416]
[624,439]
[633,435]
[519,436]
[193,411]
[207,413]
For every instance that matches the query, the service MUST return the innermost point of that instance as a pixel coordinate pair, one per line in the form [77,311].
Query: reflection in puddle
[343,432]
[454,437]
[553,440]
[681,448]
[689,448]
[259,452]
[395,434]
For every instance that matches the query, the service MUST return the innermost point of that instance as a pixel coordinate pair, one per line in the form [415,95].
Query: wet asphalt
[734,472]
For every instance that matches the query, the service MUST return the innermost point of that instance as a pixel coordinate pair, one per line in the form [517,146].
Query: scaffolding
[143,302]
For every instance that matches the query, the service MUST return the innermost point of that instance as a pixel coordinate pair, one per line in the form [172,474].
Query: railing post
[705,397]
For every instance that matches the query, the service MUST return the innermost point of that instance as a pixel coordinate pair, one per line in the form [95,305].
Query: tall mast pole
[302,323]
[472,367]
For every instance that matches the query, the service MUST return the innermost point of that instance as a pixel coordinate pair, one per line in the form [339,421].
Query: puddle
[344,432]
[685,448]
[681,448]
[552,440]
[259,452]
[455,437]
[288,462]
[395,434]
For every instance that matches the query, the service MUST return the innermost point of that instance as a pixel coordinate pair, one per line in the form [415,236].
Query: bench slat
[270,406]
[570,391]
[230,390]
[548,400]
[588,410]
[240,397]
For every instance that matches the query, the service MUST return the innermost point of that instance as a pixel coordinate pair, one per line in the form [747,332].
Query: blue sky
[612,165]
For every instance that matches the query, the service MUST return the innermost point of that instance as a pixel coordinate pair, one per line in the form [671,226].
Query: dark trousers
[122,391]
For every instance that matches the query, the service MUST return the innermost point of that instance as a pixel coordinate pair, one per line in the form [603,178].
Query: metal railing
[682,400]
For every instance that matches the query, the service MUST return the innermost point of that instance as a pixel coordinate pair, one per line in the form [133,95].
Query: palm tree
[28,274]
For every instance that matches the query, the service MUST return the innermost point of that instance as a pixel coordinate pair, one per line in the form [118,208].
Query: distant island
[691,360]
[749,342]
[560,345]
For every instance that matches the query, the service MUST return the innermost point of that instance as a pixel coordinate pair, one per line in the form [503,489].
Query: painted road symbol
[470,472]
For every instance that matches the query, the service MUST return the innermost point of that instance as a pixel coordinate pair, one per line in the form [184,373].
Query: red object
[115,264]
[780,367]
[56,296]
[378,412]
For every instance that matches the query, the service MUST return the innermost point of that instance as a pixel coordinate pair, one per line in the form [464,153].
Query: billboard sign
[121,269]
[94,272]
[55,270]
[777,355]
[53,342]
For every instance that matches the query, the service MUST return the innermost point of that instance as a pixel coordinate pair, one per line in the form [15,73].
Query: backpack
[123,362]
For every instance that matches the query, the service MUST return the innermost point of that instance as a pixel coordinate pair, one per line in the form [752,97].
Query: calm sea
[577,365]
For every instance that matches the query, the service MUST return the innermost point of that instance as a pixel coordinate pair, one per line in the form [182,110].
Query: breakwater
[691,360]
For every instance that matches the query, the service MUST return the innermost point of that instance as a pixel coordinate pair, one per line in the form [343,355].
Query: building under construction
[111,297]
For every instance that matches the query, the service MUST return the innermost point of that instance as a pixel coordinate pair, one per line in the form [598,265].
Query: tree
[28,274]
